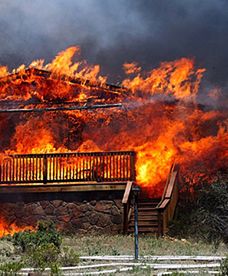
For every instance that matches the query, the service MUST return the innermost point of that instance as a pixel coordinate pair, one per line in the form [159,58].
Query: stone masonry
[85,212]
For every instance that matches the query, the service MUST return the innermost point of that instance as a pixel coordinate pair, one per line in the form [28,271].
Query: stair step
[144,223]
[146,209]
[145,218]
[146,213]
[144,230]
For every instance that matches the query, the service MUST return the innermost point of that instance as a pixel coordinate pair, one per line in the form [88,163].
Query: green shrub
[42,248]
[203,212]
[10,268]
[224,267]
[46,234]
[44,255]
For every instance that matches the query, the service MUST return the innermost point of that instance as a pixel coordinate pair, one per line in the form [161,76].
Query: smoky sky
[111,32]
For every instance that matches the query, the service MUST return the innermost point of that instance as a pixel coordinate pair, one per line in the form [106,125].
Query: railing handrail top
[169,184]
[127,192]
[64,154]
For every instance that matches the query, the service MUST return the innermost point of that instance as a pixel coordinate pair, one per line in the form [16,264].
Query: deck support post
[136,190]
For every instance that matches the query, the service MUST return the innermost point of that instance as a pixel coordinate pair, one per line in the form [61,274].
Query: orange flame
[6,229]
[177,77]
[158,130]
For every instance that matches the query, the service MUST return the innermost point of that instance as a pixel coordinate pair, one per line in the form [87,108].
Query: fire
[6,229]
[131,68]
[161,121]
[177,77]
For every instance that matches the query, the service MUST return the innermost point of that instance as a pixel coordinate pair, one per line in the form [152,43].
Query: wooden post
[125,219]
[132,164]
[136,230]
[160,223]
[45,169]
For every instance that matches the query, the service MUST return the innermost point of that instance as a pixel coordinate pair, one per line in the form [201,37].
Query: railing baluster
[38,168]
[59,168]
[26,171]
[3,171]
[71,168]
[110,166]
[56,168]
[64,167]
[29,169]
[83,168]
[90,168]
[35,169]
[105,167]
[86,168]
[67,167]
[7,169]
[120,166]
[20,168]
[117,167]
[53,168]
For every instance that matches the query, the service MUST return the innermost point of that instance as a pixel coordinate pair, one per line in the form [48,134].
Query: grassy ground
[84,245]
[123,245]
[148,245]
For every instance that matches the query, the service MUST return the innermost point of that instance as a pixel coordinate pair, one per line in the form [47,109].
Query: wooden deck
[60,172]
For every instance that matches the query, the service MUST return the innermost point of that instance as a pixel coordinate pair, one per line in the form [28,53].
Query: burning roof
[161,122]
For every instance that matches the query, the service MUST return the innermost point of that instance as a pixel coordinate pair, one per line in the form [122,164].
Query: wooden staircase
[154,214]
[147,216]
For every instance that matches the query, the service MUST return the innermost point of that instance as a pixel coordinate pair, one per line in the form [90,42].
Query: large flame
[11,229]
[162,121]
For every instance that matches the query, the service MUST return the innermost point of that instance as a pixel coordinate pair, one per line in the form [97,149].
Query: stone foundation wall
[84,212]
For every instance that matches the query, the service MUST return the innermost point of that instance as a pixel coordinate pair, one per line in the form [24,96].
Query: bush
[10,268]
[46,234]
[224,267]
[42,248]
[44,255]
[203,213]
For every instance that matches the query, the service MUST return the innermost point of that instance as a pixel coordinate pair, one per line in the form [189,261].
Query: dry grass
[148,245]
[85,245]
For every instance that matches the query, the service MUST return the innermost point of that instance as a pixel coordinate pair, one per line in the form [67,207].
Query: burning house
[72,146]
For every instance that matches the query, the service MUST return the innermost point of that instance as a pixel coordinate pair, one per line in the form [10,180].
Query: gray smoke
[111,32]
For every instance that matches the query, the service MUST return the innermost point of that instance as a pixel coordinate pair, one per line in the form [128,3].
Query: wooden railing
[167,205]
[68,167]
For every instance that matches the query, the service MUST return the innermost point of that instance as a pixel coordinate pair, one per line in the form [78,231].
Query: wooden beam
[172,180]
[66,187]
[60,108]
[127,192]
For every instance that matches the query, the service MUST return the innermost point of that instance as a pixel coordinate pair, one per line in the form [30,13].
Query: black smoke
[111,32]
